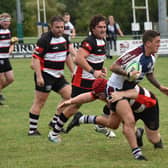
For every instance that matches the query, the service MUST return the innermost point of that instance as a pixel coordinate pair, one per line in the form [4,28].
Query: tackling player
[143,103]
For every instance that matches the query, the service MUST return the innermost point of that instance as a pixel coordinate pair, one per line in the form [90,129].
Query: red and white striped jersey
[136,105]
[96,49]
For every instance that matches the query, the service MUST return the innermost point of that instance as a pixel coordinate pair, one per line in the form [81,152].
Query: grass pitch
[82,147]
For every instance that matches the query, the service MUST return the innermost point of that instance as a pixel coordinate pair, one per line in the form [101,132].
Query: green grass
[82,147]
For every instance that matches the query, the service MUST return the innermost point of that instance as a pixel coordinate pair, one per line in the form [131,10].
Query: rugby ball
[134,66]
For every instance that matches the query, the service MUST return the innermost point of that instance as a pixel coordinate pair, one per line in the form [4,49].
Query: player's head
[98,26]
[57,25]
[5,20]
[151,40]
[98,87]
[111,19]
[66,17]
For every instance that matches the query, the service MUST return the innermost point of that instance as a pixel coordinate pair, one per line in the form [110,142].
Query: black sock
[136,152]
[61,120]
[87,119]
[33,121]
[158,144]
[54,120]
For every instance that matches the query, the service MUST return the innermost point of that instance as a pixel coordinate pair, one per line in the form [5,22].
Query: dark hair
[66,13]
[56,19]
[95,21]
[149,35]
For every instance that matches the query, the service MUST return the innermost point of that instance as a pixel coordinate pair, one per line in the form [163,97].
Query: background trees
[81,12]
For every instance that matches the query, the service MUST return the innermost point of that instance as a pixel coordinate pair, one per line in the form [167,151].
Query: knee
[112,124]
[10,80]
[37,106]
[154,137]
[130,122]
[128,126]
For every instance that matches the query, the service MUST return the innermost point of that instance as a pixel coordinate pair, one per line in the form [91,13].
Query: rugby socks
[33,121]
[87,119]
[54,120]
[158,144]
[61,120]
[136,152]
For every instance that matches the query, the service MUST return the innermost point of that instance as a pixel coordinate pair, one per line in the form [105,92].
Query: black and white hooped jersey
[145,99]
[5,42]
[138,55]
[68,27]
[52,52]
[138,107]
[96,49]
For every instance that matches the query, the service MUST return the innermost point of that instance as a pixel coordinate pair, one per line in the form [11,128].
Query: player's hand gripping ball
[133,70]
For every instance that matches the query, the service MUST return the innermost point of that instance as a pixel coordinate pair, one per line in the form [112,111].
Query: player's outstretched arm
[80,99]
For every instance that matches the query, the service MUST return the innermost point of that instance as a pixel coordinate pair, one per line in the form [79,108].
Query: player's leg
[9,78]
[123,109]
[64,89]
[53,135]
[40,96]
[151,120]
[34,114]
[6,75]
[111,121]
[154,137]
[2,81]
[102,129]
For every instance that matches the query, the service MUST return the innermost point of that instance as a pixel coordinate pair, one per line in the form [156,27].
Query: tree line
[81,13]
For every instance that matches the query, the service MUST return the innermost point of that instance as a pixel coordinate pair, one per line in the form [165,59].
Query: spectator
[69,32]
[113,29]
[69,29]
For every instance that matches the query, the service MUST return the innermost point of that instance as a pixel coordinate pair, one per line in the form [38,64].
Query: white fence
[25,50]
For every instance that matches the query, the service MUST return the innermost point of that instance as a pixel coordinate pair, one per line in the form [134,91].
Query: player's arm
[69,62]
[11,48]
[116,68]
[80,99]
[118,95]
[155,82]
[73,33]
[35,65]
[80,60]
[37,58]
[72,51]
[13,41]
[133,94]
